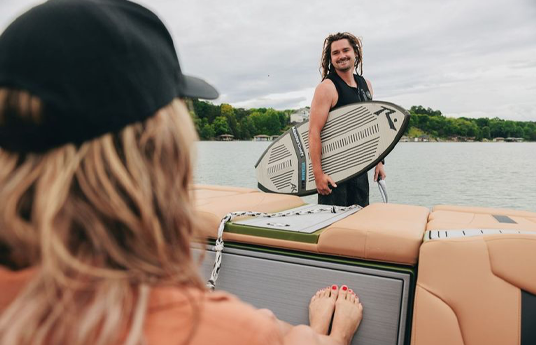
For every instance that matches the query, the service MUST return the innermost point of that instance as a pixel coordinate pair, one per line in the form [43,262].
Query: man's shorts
[355,191]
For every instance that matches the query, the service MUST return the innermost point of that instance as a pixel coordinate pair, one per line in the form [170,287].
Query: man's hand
[322,186]
[379,170]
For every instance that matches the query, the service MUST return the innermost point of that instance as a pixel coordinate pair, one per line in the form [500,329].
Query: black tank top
[348,94]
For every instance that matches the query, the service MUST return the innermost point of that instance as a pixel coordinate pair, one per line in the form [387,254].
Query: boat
[447,275]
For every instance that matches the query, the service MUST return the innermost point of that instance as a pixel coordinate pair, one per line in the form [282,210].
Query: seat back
[476,289]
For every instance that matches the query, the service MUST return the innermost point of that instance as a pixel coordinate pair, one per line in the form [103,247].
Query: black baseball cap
[97,65]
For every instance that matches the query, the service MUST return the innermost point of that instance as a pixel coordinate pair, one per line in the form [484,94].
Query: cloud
[285,100]
[458,56]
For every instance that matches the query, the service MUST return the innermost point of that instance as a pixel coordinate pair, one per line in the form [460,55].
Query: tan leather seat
[214,202]
[207,193]
[446,217]
[379,232]
[469,290]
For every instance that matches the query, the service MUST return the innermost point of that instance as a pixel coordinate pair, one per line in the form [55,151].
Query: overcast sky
[473,58]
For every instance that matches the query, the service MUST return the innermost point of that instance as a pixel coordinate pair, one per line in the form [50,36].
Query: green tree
[284,119]
[266,122]
[207,132]
[206,110]
[228,112]
[496,127]
[247,128]
[482,122]
[435,124]
[419,109]
[415,132]
[241,113]
[221,126]
[509,128]
[273,123]
[451,127]
[530,131]
[519,132]
[258,121]
[486,134]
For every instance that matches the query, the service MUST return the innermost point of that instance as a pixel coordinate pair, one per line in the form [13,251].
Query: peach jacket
[171,314]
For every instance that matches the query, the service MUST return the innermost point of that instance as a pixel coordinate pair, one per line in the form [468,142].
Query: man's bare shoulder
[325,93]
[326,86]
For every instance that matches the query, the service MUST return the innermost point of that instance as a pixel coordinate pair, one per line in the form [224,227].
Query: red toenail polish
[344,288]
[334,287]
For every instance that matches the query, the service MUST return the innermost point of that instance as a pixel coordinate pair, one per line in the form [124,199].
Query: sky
[471,58]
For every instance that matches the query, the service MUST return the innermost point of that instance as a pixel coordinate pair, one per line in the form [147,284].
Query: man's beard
[343,69]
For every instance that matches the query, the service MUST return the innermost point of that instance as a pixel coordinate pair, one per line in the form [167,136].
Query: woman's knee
[301,334]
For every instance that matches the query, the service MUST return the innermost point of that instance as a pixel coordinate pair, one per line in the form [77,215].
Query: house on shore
[300,115]
[513,140]
[261,137]
[225,137]
[264,137]
[422,139]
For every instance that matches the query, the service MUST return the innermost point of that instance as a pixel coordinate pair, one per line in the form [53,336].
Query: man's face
[342,55]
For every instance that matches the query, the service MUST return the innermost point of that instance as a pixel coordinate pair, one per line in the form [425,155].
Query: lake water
[427,174]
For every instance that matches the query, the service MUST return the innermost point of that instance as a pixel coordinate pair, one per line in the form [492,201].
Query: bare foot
[348,315]
[321,309]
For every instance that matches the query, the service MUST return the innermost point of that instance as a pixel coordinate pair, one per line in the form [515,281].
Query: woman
[95,216]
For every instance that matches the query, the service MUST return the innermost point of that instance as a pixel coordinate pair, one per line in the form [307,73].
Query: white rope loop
[219,245]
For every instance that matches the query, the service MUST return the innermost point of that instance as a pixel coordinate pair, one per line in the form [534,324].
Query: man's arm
[324,97]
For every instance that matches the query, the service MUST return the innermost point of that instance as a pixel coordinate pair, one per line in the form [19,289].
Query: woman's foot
[321,309]
[348,315]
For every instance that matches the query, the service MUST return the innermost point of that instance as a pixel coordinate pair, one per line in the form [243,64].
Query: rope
[219,245]
[383,189]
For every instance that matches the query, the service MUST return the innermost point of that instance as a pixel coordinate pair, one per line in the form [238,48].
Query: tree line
[213,120]
[426,121]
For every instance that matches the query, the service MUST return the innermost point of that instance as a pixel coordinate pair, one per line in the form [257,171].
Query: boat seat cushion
[380,232]
[476,290]
[214,202]
[446,217]
[207,193]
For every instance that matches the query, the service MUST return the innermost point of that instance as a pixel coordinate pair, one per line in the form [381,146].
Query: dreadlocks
[325,63]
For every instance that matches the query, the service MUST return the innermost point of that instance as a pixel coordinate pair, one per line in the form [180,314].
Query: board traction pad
[307,218]
[309,233]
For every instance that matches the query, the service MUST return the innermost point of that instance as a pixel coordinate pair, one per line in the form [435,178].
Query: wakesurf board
[354,139]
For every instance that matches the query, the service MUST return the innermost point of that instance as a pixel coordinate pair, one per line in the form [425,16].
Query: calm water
[427,174]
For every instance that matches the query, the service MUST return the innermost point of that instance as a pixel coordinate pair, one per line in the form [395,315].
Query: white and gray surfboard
[354,139]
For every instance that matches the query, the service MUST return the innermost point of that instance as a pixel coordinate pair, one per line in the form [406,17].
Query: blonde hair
[102,222]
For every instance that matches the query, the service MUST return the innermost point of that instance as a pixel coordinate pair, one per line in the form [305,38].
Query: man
[342,55]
